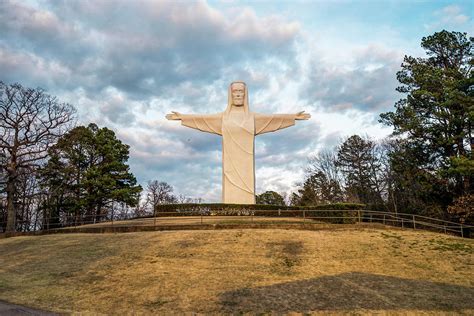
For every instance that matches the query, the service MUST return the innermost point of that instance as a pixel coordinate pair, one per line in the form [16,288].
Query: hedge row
[222,207]
[347,212]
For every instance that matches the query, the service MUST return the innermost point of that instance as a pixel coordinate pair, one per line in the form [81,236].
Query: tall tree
[3,200]
[411,188]
[359,165]
[270,198]
[325,161]
[87,172]
[31,121]
[437,112]
[324,177]
[316,189]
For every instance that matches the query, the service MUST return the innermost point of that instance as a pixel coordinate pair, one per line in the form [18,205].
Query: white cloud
[451,16]
[29,68]
[365,79]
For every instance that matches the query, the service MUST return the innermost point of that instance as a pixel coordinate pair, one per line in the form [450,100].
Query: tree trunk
[11,210]
[468,179]
[98,212]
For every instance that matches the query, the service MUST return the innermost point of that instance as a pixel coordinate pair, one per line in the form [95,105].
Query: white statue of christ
[238,128]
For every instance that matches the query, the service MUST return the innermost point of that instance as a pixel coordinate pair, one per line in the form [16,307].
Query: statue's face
[238,93]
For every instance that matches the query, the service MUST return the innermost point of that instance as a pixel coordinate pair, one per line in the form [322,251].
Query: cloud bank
[125,64]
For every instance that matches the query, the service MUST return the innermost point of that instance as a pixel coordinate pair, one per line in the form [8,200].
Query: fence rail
[207,216]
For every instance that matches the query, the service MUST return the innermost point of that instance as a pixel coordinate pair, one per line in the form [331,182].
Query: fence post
[462,231]
[112,218]
[48,221]
[403,226]
[358,213]
[304,216]
[414,224]
[201,217]
[384,219]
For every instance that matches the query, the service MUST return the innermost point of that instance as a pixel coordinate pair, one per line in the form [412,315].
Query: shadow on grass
[49,261]
[350,291]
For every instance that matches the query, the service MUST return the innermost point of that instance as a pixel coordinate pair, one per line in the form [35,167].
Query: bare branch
[31,121]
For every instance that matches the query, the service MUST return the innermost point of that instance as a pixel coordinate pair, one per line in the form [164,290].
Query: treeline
[55,174]
[385,175]
[52,173]
[426,166]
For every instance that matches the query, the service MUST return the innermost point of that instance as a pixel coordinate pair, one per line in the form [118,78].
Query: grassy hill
[224,271]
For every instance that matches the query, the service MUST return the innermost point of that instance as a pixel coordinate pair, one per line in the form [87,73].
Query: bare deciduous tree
[182,199]
[31,121]
[159,193]
[325,162]
[323,178]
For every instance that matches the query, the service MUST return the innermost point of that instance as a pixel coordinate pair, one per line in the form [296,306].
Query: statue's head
[238,97]
[237,89]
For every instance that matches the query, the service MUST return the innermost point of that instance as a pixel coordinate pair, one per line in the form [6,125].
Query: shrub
[462,209]
[323,212]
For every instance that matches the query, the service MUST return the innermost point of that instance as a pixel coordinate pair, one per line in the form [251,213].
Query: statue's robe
[238,131]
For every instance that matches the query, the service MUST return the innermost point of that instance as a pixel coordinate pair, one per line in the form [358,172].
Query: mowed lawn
[226,271]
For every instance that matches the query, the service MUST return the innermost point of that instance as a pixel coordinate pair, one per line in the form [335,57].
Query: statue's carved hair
[238,81]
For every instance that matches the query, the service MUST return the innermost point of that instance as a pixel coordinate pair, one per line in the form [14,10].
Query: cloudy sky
[125,64]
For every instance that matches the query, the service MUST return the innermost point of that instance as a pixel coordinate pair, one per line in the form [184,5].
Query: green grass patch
[444,245]
[392,236]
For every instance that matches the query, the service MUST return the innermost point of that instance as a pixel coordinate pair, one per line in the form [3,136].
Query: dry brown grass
[229,271]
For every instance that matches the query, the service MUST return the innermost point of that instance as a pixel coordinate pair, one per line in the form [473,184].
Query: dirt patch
[285,256]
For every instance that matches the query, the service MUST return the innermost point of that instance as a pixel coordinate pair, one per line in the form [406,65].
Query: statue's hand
[302,116]
[173,116]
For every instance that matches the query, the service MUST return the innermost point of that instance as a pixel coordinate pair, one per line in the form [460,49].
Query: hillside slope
[240,271]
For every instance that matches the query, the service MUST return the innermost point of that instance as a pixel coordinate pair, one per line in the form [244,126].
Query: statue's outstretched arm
[210,123]
[265,123]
